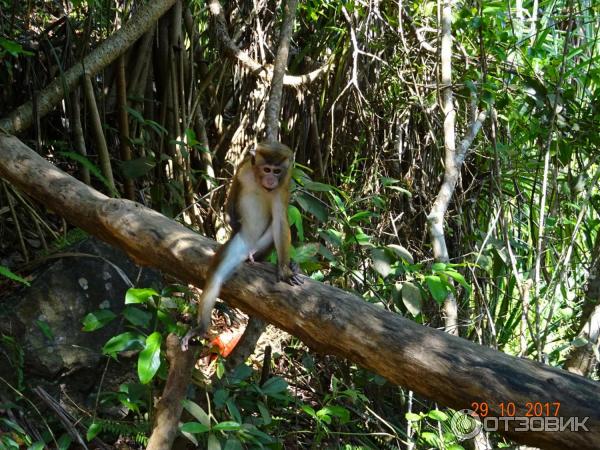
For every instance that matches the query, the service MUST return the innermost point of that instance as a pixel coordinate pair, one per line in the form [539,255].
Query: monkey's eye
[266,169]
[277,171]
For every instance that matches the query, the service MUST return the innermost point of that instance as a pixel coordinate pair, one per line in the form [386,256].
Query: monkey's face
[270,175]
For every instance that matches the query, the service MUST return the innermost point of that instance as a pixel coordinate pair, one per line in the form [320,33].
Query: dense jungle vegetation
[446,170]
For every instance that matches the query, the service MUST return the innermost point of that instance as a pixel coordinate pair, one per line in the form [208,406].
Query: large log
[450,370]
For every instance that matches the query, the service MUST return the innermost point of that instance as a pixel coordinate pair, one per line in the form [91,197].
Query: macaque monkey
[257,209]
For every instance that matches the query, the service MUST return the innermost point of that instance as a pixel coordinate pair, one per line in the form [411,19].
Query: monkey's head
[270,163]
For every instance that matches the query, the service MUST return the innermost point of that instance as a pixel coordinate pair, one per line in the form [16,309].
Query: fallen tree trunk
[436,365]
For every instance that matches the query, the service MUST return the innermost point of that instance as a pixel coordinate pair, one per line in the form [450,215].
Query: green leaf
[457,276]
[401,190]
[13,425]
[227,426]
[312,206]
[264,413]
[439,267]
[295,219]
[97,319]
[437,287]
[39,445]
[438,415]
[233,410]
[324,416]
[137,316]
[360,216]
[220,369]
[64,442]
[332,236]
[274,385]
[149,359]
[305,253]
[220,397]
[317,187]
[4,271]
[12,47]
[92,168]
[124,341]
[239,374]
[167,320]
[197,411]
[381,262]
[194,427]
[6,443]
[309,410]
[337,411]
[233,444]
[402,253]
[45,329]
[412,417]
[93,431]
[411,298]
[134,295]
[213,442]
[432,439]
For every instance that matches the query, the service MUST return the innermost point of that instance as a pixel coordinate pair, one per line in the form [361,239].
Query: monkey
[257,212]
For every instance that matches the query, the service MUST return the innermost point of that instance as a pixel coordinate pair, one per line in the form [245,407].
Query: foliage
[522,228]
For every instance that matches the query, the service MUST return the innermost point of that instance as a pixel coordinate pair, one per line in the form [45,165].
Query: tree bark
[169,407]
[279,67]
[434,364]
[582,359]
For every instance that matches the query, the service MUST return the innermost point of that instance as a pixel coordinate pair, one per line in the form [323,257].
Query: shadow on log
[444,368]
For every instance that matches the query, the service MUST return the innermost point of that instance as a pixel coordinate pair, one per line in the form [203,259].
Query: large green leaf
[194,427]
[135,295]
[149,359]
[129,340]
[437,287]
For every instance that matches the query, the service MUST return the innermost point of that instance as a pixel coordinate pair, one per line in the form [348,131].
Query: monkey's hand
[290,274]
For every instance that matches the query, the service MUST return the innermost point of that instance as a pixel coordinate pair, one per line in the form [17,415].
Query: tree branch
[279,67]
[233,51]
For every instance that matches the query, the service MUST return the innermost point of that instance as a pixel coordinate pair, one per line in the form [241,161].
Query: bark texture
[434,364]
[169,407]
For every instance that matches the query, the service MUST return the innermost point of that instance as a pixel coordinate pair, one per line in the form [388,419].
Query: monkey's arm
[281,235]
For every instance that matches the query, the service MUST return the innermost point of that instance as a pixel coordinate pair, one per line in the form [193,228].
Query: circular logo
[465,424]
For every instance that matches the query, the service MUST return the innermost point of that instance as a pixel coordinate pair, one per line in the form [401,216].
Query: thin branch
[279,67]
[265,73]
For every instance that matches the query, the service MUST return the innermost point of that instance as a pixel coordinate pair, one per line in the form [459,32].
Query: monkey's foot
[193,333]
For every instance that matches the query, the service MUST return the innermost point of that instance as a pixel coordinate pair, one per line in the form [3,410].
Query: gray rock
[46,318]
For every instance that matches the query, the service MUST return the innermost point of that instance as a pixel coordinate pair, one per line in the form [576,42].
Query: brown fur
[257,212]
